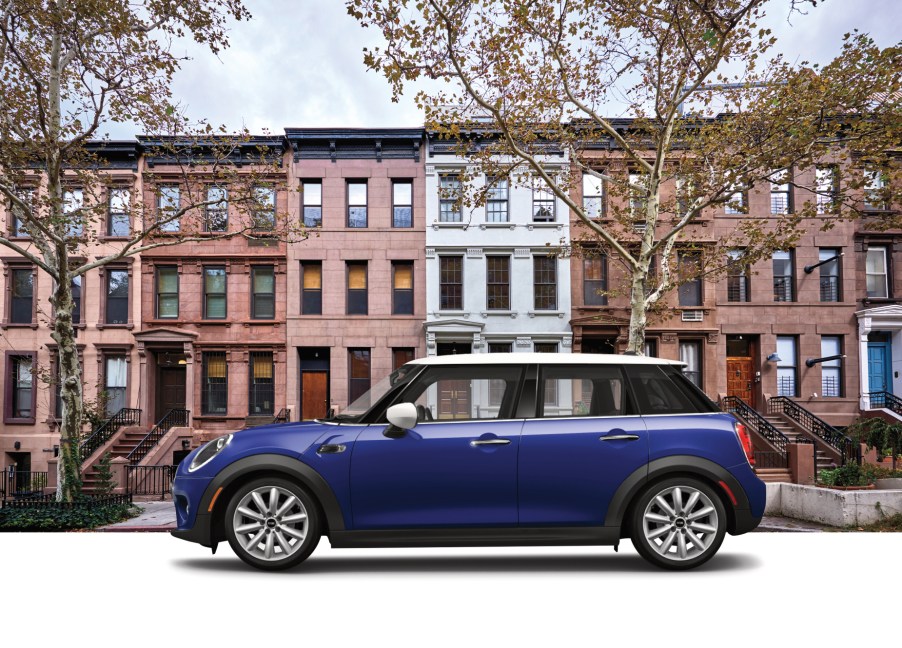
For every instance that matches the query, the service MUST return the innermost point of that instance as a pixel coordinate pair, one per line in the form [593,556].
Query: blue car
[485,450]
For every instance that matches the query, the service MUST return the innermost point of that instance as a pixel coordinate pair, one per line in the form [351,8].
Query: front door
[739,379]
[878,367]
[170,390]
[314,401]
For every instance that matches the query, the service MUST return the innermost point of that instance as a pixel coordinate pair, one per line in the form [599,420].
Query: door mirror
[402,415]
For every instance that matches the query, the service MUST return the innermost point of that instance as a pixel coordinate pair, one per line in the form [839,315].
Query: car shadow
[475,564]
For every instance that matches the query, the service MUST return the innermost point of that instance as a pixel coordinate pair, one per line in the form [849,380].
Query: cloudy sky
[299,63]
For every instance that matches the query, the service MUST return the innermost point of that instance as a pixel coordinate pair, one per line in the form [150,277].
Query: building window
[451,283]
[216,211]
[73,206]
[215,297]
[685,194]
[551,386]
[830,272]
[116,297]
[265,208]
[263,292]
[400,357]
[20,390]
[450,209]
[496,207]
[402,287]
[498,282]
[76,288]
[784,284]
[16,222]
[544,282]
[312,196]
[876,272]
[875,190]
[691,354]
[167,292]
[780,194]
[737,202]
[542,202]
[738,277]
[358,299]
[311,288]
[261,401]
[215,387]
[827,189]
[115,383]
[402,203]
[787,366]
[357,203]
[689,265]
[595,280]
[358,373]
[118,221]
[168,205]
[496,385]
[831,370]
[638,190]
[21,296]
[593,196]
[650,348]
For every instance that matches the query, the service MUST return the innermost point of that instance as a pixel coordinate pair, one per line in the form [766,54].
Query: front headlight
[208,451]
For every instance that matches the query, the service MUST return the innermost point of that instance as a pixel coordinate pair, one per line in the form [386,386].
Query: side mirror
[402,417]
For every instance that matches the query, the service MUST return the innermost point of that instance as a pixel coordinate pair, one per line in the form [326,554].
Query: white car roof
[542,358]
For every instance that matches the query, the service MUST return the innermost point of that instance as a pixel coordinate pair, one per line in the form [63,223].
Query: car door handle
[619,437]
[482,442]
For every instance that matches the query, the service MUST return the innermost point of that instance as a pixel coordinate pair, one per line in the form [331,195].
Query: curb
[129,529]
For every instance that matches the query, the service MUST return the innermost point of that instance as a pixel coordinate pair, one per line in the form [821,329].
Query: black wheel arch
[688,465]
[244,470]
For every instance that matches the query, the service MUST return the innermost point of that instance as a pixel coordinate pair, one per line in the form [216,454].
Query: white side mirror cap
[403,415]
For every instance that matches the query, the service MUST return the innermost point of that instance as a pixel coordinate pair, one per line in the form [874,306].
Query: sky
[300,63]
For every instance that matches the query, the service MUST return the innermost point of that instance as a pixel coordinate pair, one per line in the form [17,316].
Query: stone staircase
[773,475]
[124,442]
[792,432]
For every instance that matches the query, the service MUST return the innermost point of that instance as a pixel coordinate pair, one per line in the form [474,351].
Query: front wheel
[272,524]
[678,523]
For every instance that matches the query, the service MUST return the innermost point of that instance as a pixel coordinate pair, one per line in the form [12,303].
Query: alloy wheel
[270,523]
[680,523]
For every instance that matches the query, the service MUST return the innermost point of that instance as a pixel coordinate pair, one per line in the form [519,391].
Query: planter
[890,483]
[848,488]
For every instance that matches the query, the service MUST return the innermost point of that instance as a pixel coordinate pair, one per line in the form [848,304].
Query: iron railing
[51,503]
[815,426]
[757,423]
[105,431]
[173,418]
[21,484]
[830,288]
[738,288]
[770,459]
[886,400]
[783,291]
[149,480]
[284,416]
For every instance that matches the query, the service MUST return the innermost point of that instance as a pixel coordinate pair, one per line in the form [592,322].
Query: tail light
[746,441]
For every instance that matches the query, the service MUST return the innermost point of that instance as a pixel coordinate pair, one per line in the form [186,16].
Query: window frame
[305,265]
[589,288]
[887,274]
[110,228]
[780,297]
[398,353]
[450,205]
[106,356]
[11,388]
[540,187]
[255,295]
[207,392]
[12,269]
[266,222]
[106,296]
[443,285]
[15,225]
[400,292]
[205,294]
[835,291]
[175,225]
[361,294]
[553,265]
[600,197]
[742,291]
[838,367]
[74,229]
[209,210]
[683,291]
[314,222]
[353,394]
[790,364]
[493,201]
[826,204]
[700,370]
[255,388]
[348,184]
[158,294]
[733,206]
[781,189]
[395,205]
[504,286]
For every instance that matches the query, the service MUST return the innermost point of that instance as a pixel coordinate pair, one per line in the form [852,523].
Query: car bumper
[745,521]
[199,532]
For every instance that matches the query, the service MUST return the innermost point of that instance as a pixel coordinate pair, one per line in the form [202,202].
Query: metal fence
[22,484]
[149,480]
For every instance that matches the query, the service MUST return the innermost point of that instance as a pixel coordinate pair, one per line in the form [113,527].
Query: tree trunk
[638,318]
[69,483]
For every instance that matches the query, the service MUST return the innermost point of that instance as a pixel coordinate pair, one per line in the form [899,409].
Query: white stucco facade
[473,322]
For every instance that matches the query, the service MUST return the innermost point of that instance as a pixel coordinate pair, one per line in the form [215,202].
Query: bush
[81,515]
[849,475]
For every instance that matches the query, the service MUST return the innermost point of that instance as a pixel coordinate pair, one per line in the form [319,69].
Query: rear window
[662,389]
[583,391]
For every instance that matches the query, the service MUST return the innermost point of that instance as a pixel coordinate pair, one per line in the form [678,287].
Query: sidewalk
[160,516]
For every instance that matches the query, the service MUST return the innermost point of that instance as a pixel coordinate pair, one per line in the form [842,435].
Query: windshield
[369,398]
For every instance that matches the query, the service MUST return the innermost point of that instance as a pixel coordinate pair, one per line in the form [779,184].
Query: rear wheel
[272,523]
[678,523]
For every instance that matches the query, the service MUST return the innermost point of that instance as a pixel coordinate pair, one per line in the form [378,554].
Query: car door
[583,443]
[455,467]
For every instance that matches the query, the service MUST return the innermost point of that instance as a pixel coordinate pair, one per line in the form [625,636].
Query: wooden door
[739,379]
[171,390]
[314,400]
[453,399]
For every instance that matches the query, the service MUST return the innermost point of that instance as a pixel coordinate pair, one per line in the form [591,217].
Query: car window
[656,393]
[582,391]
[464,393]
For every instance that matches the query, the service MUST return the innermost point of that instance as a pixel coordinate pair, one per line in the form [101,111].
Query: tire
[272,537]
[680,536]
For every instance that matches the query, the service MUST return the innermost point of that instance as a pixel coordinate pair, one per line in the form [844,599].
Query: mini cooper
[485,450]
